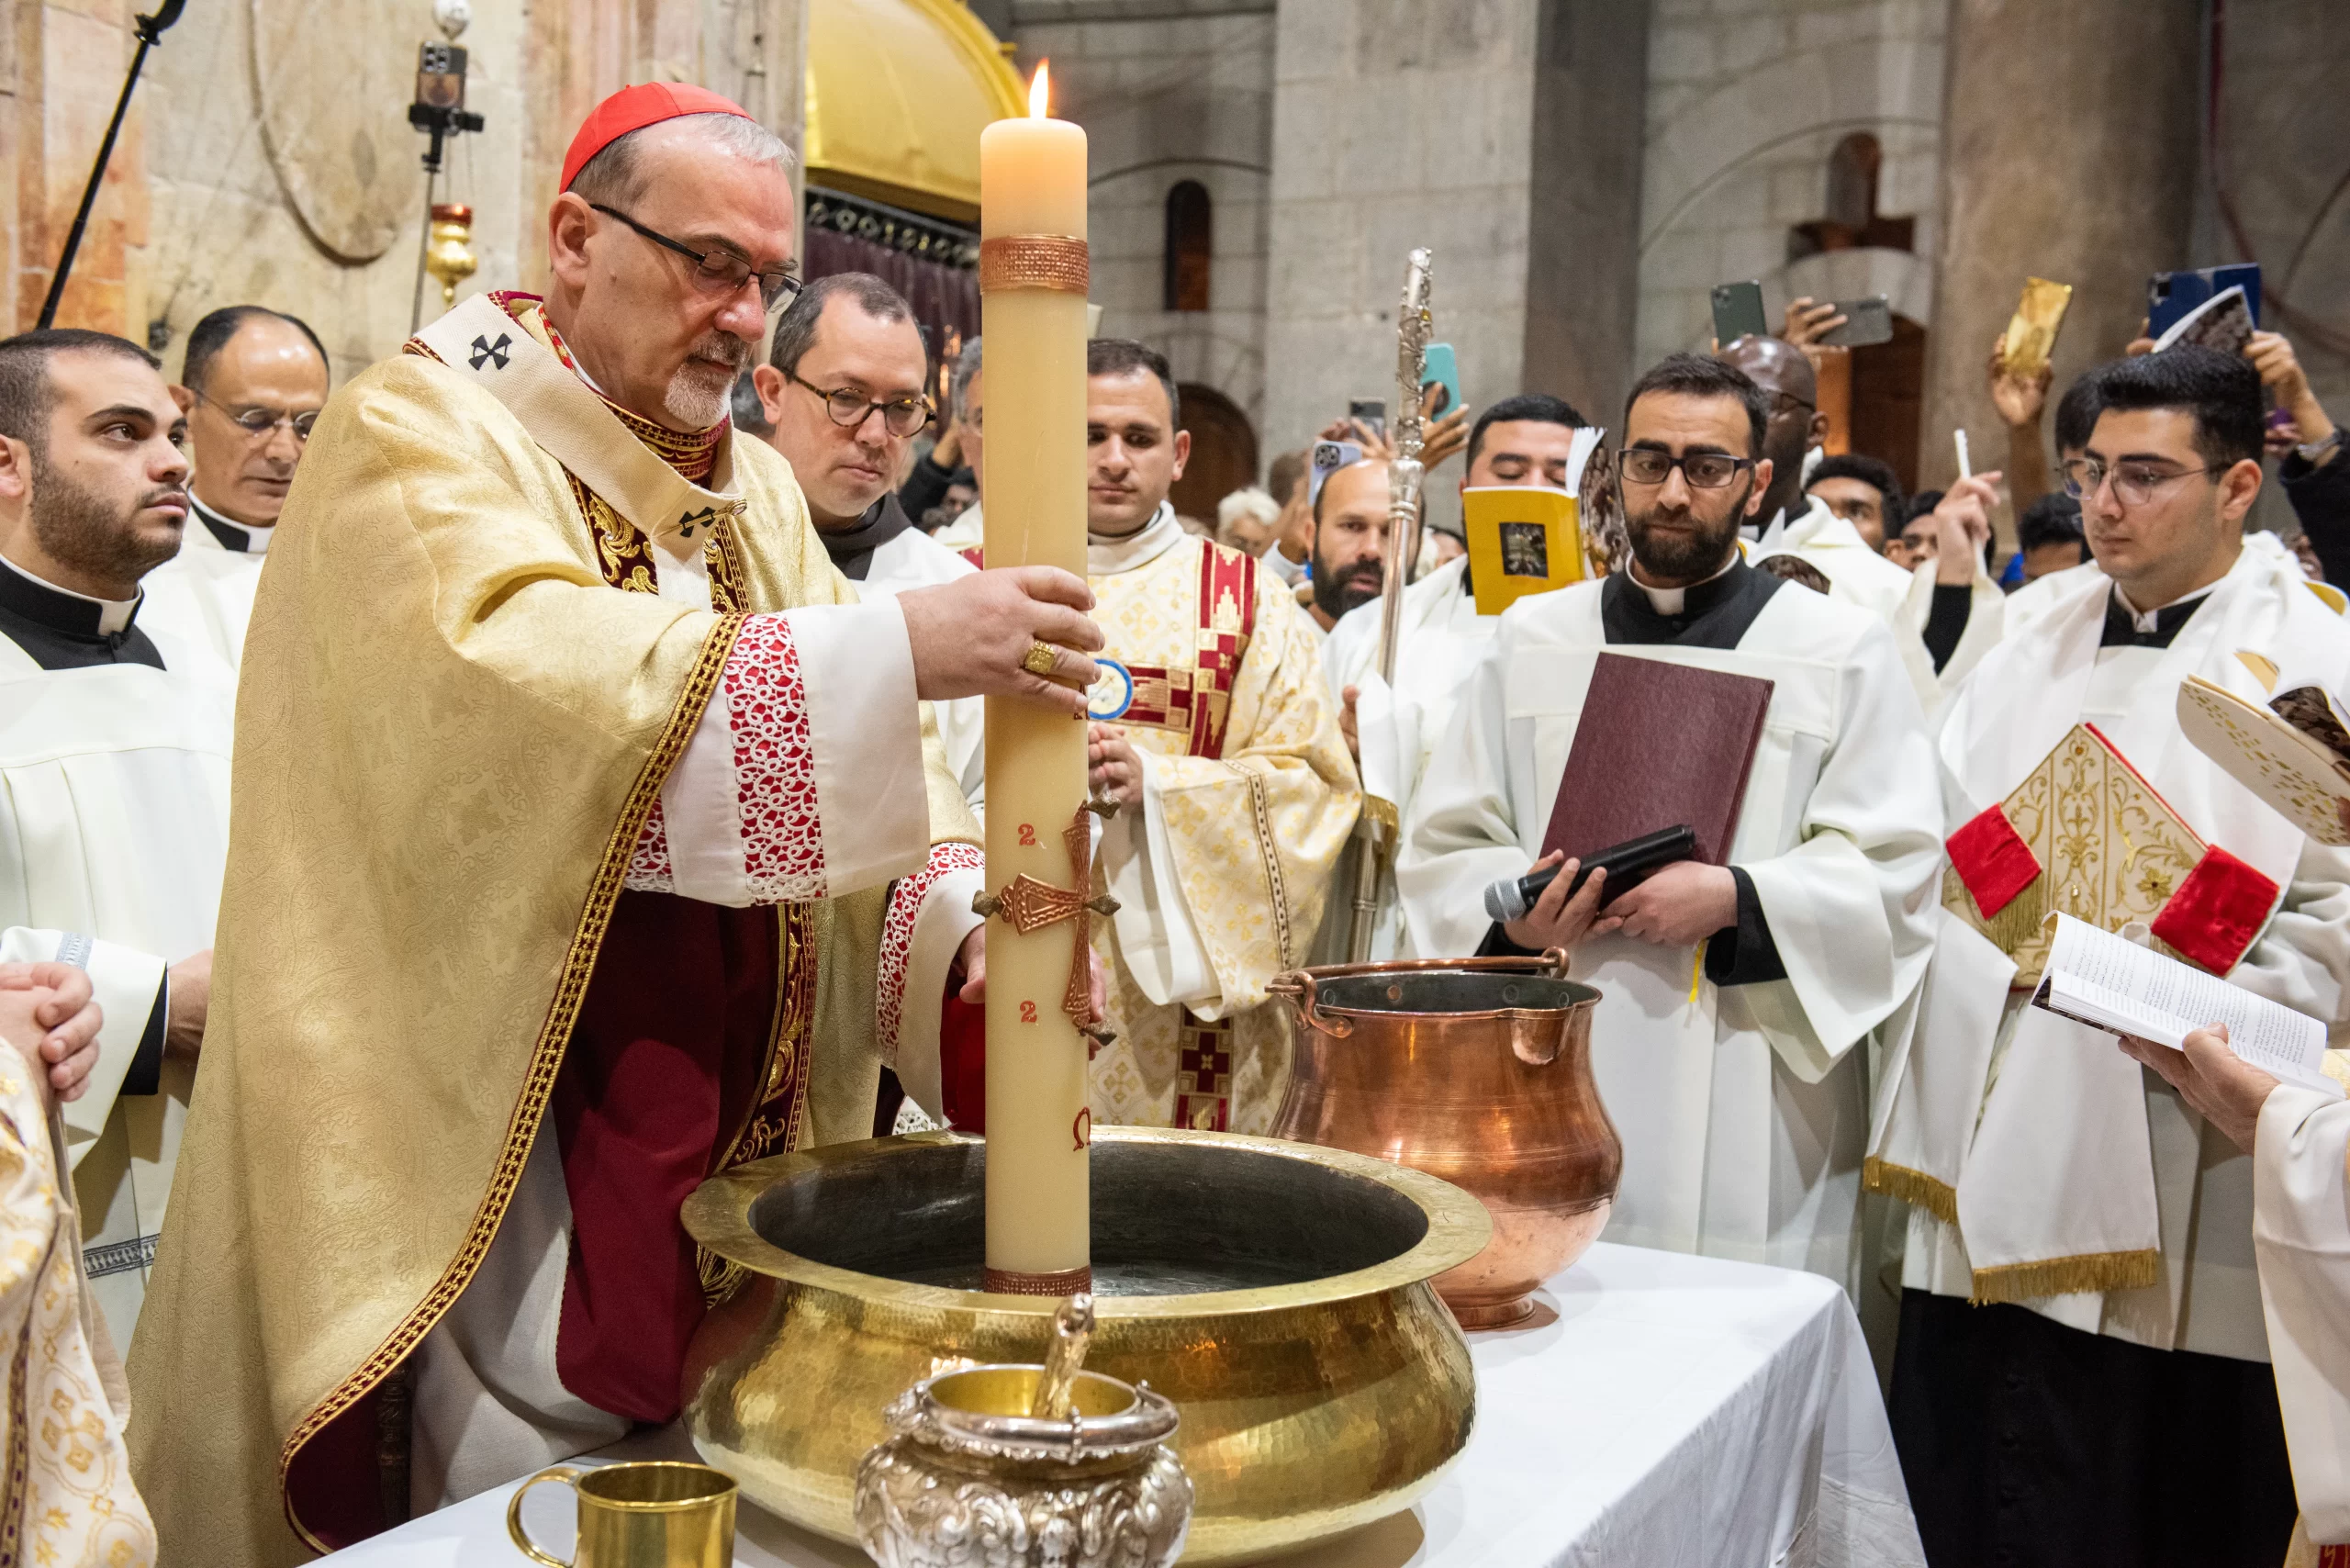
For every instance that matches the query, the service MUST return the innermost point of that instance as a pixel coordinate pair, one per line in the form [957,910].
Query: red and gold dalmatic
[570,796]
[1224,870]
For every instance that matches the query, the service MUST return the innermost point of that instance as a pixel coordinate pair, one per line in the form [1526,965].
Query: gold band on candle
[1033,261]
[1068,1282]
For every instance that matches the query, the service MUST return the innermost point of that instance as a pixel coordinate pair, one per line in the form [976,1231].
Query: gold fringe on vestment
[2066,1276]
[1917,1189]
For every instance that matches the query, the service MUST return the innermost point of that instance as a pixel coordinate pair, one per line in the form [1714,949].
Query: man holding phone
[1805,526]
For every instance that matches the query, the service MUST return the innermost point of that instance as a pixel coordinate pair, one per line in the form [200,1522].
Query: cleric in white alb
[113,766]
[1733,1075]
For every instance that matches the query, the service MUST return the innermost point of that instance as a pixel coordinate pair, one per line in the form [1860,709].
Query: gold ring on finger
[1042,659]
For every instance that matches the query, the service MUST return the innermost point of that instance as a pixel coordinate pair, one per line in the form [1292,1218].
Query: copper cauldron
[1477,1070]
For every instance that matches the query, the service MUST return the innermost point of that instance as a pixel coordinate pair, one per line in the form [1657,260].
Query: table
[1661,1410]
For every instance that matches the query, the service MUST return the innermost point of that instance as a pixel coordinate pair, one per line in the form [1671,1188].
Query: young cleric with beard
[1739,1084]
[114,766]
[1234,786]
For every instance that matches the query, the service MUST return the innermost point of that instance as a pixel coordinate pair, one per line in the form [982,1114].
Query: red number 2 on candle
[1027,836]
[1027,1012]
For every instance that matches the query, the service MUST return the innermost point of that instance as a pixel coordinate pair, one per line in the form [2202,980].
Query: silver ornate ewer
[1026,1467]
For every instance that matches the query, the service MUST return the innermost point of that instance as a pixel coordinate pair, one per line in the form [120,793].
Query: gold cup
[641,1516]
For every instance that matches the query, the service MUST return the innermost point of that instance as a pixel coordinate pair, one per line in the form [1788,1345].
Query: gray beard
[699,396]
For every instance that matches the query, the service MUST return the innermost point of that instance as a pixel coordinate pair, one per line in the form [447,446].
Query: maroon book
[1658,744]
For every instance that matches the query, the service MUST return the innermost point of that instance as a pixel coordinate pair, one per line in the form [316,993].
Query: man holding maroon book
[1735,985]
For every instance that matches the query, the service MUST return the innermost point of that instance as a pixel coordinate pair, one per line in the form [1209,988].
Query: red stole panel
[668,1056]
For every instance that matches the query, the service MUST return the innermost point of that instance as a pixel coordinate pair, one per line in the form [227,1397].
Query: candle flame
[1040,91]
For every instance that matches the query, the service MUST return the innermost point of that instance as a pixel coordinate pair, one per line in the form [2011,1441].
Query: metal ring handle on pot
[569,1476]
[1301,989]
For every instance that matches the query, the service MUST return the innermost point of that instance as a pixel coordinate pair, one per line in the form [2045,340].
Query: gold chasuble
[504,659]
[1248,795]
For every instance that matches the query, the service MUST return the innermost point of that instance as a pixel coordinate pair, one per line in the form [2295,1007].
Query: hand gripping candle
[1033,275]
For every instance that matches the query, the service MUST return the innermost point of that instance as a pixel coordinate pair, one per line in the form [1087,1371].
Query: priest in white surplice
[1735,1078]
[2049,1173]
[113,766]
[251,383]
[842,387]
[1528,439]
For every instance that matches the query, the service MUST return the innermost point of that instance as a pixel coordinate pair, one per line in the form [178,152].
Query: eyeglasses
[1704,470]
[720,272]
[2135,484]
[1788,403]
[260,424]
[850,407]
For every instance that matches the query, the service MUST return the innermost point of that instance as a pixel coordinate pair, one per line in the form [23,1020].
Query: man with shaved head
[591,839]
[1795,523]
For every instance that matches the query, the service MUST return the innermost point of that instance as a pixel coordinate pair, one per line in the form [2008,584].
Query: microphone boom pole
[151,31]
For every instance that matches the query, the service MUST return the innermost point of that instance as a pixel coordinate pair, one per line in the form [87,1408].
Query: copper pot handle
[1300,989]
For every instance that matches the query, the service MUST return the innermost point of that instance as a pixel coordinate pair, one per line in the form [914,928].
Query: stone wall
[267,158]
[1746,100]
[1169,92]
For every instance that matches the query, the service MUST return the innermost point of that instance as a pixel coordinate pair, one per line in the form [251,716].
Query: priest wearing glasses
[251,383]
[590,839]
[1736,1000]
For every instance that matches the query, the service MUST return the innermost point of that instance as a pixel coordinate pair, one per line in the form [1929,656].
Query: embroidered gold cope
[66,1498]
[452,730]
[1251,797]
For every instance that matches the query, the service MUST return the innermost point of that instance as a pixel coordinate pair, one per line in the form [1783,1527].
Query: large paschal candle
[1033,277]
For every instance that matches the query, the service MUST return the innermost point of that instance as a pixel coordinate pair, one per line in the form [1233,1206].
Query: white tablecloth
[1662,1410]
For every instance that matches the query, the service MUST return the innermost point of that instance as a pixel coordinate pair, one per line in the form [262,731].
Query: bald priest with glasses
[251,383]
[2116,1401]
[1737,999]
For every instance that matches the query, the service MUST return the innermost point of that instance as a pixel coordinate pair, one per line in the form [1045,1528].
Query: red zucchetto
[634,108]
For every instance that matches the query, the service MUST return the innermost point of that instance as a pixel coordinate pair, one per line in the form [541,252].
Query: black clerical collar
[852,548]
[2129,628]
[1714,614]
[65,630]
[233,536]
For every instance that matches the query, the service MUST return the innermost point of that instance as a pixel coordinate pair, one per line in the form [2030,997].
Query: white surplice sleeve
[930,915]
[128,986]
[1462,834]
[2302,1234]
[1850,904]
[804,779]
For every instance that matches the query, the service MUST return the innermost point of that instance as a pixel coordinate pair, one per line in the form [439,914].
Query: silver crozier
[1377,830]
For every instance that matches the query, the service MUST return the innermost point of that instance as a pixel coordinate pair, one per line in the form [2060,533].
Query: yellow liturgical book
[1522,539]
[2294,754]
[2084,835]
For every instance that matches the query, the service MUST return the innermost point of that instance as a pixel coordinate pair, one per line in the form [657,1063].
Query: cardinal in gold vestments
[587,837]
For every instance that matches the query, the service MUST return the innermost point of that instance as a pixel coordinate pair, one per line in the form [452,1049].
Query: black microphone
[1627,865]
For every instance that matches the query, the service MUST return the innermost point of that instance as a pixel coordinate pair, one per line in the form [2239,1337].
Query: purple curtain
[945,295]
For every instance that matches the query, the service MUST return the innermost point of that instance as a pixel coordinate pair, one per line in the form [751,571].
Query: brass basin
[1278,1293]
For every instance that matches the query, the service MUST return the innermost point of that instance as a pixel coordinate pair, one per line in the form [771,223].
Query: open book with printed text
[2110,983]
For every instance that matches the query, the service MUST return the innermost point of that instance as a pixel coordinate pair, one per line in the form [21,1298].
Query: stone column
[68,64]
[2069,152]
[1582,263]
[1503,134]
